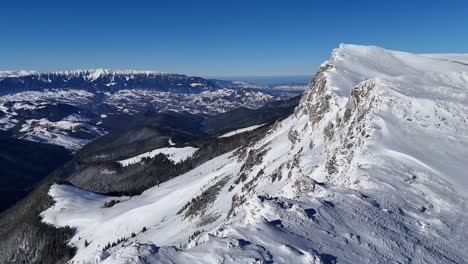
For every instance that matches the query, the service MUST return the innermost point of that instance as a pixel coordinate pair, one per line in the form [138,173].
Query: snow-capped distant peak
[96,74]
[20,73]
[90,74]
[93,74]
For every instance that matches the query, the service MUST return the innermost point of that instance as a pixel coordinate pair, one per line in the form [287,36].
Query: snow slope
[241,130]
[371,168]
[156,209]
[174,154]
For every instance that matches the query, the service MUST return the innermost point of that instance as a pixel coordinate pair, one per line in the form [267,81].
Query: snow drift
[371,168]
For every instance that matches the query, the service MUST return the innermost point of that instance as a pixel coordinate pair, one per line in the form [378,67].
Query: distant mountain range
[103,80]
[67,108]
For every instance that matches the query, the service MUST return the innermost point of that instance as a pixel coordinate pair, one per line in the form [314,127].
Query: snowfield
[174,154]
[241,130]
[371,168]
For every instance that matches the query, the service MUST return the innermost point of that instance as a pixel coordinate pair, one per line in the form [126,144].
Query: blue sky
[219,38]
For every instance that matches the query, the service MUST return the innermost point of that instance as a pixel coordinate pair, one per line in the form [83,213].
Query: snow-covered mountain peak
[353,64]
[371,168]
[376,78]
[358,63]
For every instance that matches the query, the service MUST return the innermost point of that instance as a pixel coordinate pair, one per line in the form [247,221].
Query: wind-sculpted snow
[371,168]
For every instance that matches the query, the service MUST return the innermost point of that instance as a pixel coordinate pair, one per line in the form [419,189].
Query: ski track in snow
[371,168]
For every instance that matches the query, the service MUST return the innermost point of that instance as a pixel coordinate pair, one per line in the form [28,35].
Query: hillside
[370,168]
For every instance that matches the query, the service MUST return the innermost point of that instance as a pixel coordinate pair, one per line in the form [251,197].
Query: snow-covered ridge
[80,72]
[93,74]
[371,168]
[7,74]
[90,74]
[101,79]
[174,154]
[360,63]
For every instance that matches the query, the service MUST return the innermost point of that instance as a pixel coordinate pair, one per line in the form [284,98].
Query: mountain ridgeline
[105,80]
[368,166]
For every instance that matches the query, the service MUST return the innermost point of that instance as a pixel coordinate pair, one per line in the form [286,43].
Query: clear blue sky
[218,38]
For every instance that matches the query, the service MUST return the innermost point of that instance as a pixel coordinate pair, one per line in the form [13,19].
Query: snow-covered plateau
[371,168]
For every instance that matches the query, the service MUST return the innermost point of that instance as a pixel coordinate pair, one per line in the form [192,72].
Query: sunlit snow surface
[371,168]
[240,130]
[174,154]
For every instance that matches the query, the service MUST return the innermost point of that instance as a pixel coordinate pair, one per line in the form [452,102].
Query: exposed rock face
[316,100]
